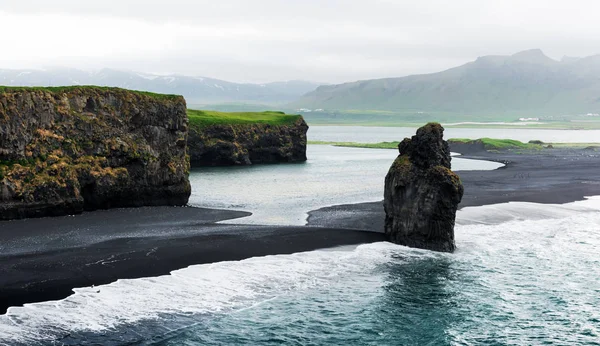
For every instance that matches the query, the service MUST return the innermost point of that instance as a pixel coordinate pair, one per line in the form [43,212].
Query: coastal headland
[244,138]
[64,150]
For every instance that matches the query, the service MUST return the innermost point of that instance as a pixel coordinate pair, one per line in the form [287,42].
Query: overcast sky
[268,40]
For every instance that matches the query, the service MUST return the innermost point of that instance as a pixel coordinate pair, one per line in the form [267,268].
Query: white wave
[200,289]
[557,233]
[520,211]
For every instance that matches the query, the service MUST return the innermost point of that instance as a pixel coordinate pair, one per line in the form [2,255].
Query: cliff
[222,139]
[68,149]
[422,193]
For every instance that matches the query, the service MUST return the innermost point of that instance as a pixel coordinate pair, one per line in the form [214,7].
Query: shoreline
[44,259]
[554,176]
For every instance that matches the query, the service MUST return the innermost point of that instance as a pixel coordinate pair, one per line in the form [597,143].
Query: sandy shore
[43,259]
[550,176]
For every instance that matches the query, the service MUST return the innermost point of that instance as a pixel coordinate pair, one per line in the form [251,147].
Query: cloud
[265,40]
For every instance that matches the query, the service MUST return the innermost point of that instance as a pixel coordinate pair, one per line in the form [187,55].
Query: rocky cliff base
[422,193]
[65,150]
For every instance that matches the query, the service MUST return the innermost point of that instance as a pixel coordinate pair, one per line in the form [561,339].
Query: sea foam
[508,264]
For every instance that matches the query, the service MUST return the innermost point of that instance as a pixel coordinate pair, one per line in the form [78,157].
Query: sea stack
[422,193]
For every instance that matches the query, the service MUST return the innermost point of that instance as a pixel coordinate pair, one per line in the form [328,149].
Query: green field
[199,118]
[357,117]
[488,143]
[449,120]
[235,107]
[381,145]
[498,144]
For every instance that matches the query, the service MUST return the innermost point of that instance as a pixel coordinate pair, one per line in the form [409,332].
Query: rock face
[422,193]
[227,145]
[65,150]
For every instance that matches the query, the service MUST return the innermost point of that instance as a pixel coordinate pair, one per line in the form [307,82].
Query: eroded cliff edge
[269,137]
[66,150]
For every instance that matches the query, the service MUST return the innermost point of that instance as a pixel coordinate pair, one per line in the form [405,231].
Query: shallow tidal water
[283,194]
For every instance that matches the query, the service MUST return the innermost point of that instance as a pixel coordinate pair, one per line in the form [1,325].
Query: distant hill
[196,90]
[528,82]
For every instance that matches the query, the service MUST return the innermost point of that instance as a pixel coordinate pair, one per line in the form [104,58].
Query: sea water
[283,194]
[514,280]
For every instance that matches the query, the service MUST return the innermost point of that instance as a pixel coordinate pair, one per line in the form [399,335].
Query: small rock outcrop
[422,193]
[68,149]
[245,144]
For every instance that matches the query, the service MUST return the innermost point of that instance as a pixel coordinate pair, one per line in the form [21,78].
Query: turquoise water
[517,281]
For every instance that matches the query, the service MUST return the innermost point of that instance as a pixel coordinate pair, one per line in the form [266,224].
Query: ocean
[523,274]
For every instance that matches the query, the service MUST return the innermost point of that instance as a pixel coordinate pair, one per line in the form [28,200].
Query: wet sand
[44,259]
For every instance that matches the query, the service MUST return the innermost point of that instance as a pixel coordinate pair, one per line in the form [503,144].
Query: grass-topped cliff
[242,138]
[92,88]
[66,149]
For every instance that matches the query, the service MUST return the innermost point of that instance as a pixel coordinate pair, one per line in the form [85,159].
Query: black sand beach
[43,259]
[548,176]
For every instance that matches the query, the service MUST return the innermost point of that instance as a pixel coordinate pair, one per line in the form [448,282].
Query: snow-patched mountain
[196,90]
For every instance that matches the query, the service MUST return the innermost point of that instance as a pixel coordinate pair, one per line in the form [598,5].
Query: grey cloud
[328,40]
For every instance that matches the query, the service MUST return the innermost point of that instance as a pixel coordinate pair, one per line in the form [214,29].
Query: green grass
[62,89]
[573,145]
[381,145]
[200,118]
[497,144]
[489,144]
[448,120]
[234,107]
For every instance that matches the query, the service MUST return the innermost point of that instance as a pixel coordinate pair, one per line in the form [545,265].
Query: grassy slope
[489,143]
[476,120]
[497,144]
[200,118]
[84,87]
[381,145]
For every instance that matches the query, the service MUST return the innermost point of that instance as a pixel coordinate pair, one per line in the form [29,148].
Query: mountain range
[196,90]
[528,82]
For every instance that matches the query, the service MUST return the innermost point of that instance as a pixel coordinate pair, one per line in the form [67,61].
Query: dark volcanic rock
[65,150]
[422,193]
[227,145]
